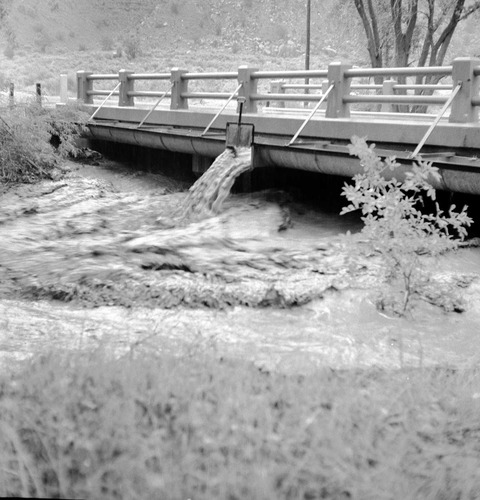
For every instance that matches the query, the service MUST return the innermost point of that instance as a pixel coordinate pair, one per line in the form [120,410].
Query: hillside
[39,39]
[269,27]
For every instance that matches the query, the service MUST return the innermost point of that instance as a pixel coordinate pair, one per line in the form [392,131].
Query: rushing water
[207,196]
[113,242]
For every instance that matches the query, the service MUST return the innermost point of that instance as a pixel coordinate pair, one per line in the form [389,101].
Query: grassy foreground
[86,425]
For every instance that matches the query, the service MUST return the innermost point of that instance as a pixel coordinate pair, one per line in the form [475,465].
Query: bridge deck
[322,147]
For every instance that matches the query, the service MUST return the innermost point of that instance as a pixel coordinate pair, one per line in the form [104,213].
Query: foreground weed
[397,224]
[85,425]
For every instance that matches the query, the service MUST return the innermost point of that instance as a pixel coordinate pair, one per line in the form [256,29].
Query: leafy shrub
[34,139]
[132,47]
[397,224]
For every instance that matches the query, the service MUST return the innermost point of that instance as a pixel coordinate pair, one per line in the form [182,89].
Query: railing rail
[349,87]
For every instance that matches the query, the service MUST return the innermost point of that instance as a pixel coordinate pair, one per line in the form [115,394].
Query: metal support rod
[207,128]
[104,101]
[304,124]
[241,102]
[437,119]
[160,99]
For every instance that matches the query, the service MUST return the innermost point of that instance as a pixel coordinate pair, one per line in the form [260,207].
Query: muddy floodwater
[98,258]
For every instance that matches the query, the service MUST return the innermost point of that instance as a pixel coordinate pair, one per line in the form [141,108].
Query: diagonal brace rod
[221,111]
[104,101]
[160,99]
[310,116]
[437,119]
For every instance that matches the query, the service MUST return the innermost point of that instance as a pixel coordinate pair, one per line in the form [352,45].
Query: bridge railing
[464,74]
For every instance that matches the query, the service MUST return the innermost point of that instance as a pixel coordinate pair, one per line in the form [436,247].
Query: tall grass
[86,425]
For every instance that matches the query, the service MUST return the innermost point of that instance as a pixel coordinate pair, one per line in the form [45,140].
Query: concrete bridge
[298,119]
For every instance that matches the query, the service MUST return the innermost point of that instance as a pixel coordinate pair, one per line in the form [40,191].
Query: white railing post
[276,87]
[126,86]
[179,87]
[64,89]
[249,87]
[462,109]
[387,89]
[336,108]
[84,85]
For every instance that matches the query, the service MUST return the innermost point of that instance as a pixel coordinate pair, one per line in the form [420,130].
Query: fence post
[64,88]
[38,94]
[11,95]
[180,86]
[249,87]
[84,85]
[462,110]
[126,86]
[336,108]
[387,89]
[276,87]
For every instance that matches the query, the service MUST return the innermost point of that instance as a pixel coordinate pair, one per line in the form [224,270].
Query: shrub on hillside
[33,140]
[398,225]
[132,47]
[43,40]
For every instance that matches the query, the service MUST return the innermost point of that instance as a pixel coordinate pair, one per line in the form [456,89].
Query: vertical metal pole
[307,47]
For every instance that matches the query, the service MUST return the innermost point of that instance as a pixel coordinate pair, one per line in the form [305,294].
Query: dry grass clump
[85,425]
